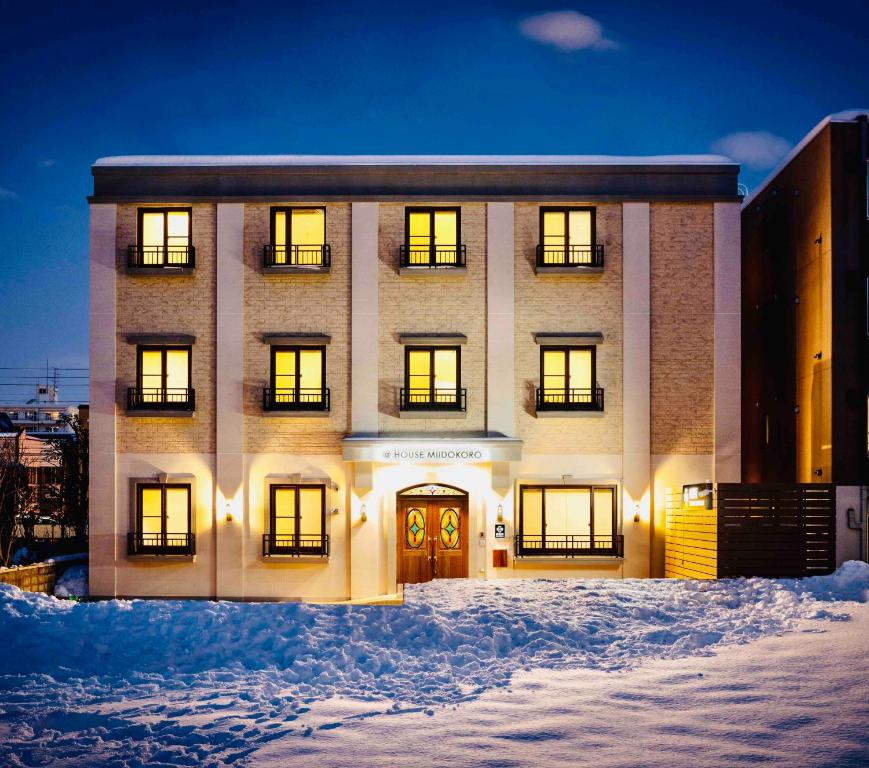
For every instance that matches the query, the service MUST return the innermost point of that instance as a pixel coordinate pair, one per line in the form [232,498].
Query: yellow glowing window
[433,235]
[298,235]
[165,232]
[568,374]
[567,227]
[432,375]
[567,519]
[163,514]
[298,374]
[164,373]
[298,519]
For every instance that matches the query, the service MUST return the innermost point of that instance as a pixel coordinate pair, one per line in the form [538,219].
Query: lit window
[163,377]
[568,379]
[163,519]
[432,237]
[567,520]
[297,521]
[567,236]
[298,236]
[164,237]
[298,379]
[432,378]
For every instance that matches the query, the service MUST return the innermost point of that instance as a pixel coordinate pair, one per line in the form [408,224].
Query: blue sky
[83,80]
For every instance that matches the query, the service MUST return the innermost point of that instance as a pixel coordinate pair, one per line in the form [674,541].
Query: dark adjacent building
[805,312]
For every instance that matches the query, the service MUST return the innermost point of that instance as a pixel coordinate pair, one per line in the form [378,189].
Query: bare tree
[71,501]
[16,494]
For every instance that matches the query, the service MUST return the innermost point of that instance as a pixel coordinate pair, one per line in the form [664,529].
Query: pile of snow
[113,667]
[73,582]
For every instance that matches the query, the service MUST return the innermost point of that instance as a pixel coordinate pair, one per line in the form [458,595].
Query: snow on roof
[154,161]
[845,116]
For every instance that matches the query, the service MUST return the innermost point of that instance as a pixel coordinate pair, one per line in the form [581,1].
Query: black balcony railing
[437,400]
[295,545]
[552,399]
[160,399]
[570,256]
[296,399]
[297,255]
[569,546]
[161,543]
[432,257]
[161,256]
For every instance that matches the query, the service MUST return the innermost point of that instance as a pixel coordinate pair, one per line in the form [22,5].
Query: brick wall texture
[682,326]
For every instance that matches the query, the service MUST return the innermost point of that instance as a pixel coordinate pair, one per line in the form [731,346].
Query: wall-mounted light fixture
[363,514]
[500,517]
[228,511]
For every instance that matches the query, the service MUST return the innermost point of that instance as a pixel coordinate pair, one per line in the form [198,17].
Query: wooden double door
[432,538]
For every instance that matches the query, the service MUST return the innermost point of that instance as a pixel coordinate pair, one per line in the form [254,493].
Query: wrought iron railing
[567,545]
[297,255]
[161,543]
[573,399]
[432,256]
[160,256]
[163,399]
[285,399]
[570,256]
[295,545]
[433,400]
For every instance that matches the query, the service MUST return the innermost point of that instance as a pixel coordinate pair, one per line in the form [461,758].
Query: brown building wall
[682,328]
[568,304]
[182,304]
[432,303]
[296,304]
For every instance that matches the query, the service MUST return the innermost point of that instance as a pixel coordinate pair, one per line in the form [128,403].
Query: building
[42,414]
[321,377]
[805,312]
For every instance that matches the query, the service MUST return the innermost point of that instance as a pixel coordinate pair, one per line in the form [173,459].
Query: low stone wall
[39,577]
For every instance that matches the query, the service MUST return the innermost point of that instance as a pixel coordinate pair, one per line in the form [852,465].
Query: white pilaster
[103,523]
[229,401]
[501,342]
[728,344]
[364,316]
[636,437]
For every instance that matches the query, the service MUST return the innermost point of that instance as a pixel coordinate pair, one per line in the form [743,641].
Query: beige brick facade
[431,303]
[178,304]
[563,303]
[296,304]
[682,296]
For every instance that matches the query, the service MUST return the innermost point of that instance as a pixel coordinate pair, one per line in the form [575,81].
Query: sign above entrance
[398,451]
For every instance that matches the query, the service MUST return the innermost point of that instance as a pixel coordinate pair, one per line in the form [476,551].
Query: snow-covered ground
[614,673]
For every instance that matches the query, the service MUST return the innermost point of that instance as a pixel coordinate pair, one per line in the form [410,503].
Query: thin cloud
[567,31]
[757,150]
[7,194]
[47,163]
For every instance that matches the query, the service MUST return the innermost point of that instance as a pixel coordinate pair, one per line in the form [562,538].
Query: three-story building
[323,377]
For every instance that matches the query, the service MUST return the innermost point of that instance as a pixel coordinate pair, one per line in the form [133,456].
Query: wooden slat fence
[778,531]
[770,530]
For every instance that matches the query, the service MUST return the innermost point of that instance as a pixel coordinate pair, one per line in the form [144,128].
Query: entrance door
[432,534]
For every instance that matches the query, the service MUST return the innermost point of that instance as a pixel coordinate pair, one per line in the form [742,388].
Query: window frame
[288,210]
[591,551]
[432,403]
[297,349]
[565,249]
[163,547]
[432,248]
[567,349]
[140,215]
[270,545]
[164,348]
